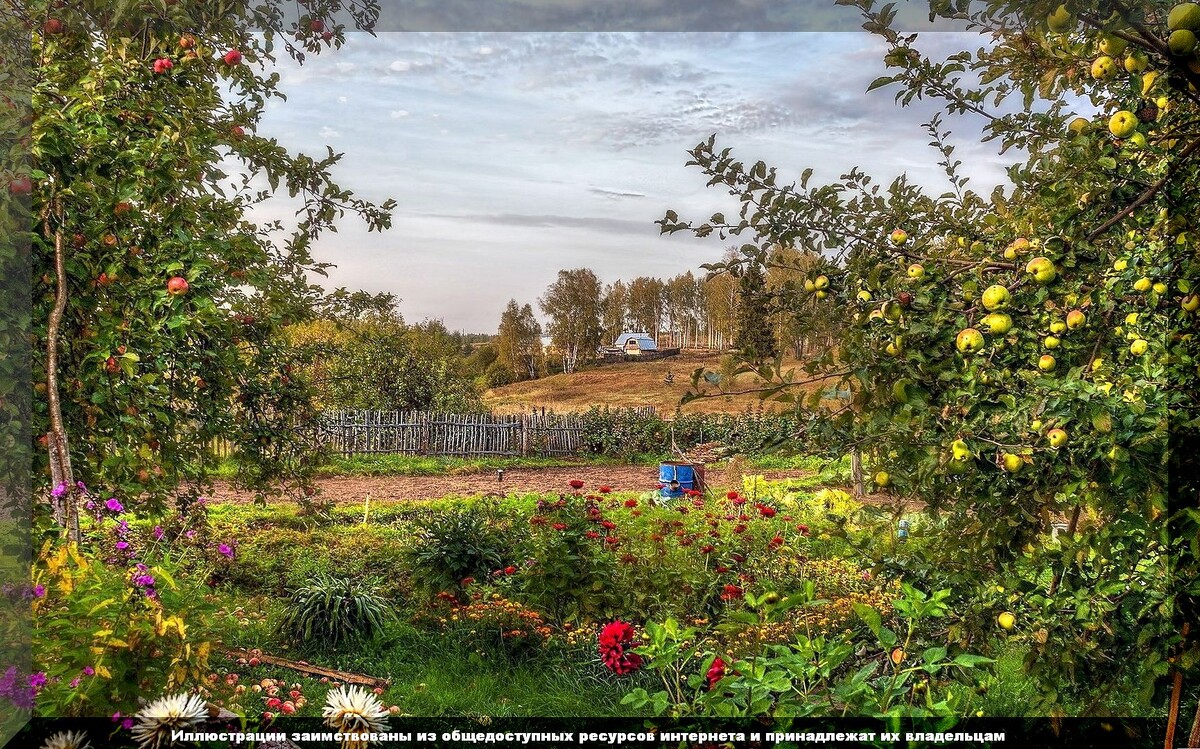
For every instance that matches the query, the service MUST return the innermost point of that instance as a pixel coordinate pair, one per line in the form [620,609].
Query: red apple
[317,25]
[232,57]
[187,41]
[111,366]
[20,186]
[177,285]
[122,208]
[238,132]
[162,65]
[52,26]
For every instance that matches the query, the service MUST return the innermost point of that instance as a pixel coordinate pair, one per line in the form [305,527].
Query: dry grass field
[624,385]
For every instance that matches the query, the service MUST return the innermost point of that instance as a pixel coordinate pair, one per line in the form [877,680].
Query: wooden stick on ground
[305,668]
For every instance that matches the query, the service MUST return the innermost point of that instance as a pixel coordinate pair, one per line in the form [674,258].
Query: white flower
[156,721]
[354,710]
[68,740]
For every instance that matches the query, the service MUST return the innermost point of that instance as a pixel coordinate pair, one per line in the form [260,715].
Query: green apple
[1076,319]
[995,297]
[958,467]
[1042,268]
[969,340]
[997,323]
[1056,437]
[1182,42]
[1123,123]
[960,449]
[1190,303]
[1012,463]
[899,237]
[1050,342]
[900,392]
[864,296]
[1035,425]
[1137,141]
[1138,347]
[1143,285]
[1104,68]
[1078,125]
[1060,20]
[1184,16]
[916,271]
[1136,62]
[895,347]
[1047,363]
[891,311]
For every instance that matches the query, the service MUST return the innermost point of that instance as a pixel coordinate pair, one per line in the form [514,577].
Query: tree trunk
[856,471]
[64,502]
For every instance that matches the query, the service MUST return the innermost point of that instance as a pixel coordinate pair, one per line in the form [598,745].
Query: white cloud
[341,100]
[345,67]
[400,66]
[328,132]
[397,114]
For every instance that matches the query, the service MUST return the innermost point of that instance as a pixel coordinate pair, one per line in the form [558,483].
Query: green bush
[457,545]
[333,609]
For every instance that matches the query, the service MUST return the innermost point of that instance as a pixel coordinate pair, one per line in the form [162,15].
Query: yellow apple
[1159,288]
[916,271]
[1076,319]
[995,297]
[1006,620]
[1181,42]
[1051,342]
[1131,318]
[822,293]
[1036,425]
[809,285]
[864,296]
[1138,347]
[969,340]
[997,323]
[896,347]
[1123,123]
[899,237]
[1184,16]
[821,282]
[1143,285]
[1056,437]
[1042,268]
[1136,62]
[1057,327]
[1121,264]
[960,449]
[882,478]
[1104,68]
[1113,45]
[1047,363]
[1012,463]
[1190,303]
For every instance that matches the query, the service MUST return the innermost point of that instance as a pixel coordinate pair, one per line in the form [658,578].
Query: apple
[1035,425]
[891,311]
[822,293]
[1043,270]
[1113,45]
[960,449]
[1143,285]
[821,282]
[899,237]
[1121,264]
[1047,363]
[1057,327]
[20,186]
[882,479]
[1056,437]
[1136,62]
[916,271]
[1181,42]
[1060,20]
[1138,347]
[969,340]
[1051,342]
[111,366]
[162,65]
[1076,319]
[808,285]
[316,25]
[1006,620]
[1184,16]
[1012,463]
[177,285]
[1159,288]
[875,316]
[958,467]
[1078,125]
[1123,124]
[995,297]
[997,323]
[232,57]
[1137,141]
[904,298]
[900,391]
[1104,68]
[120,209]
[187,41]
[895,347]
[1190,303]
[238,132]
[52,26]
[864,296]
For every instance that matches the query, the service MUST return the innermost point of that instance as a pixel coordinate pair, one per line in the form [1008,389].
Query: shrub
[457,545]
[332,609]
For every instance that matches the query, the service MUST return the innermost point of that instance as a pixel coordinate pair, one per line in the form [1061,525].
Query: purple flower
[114,505]
[81,485]
[74,682]
[37,680]
[190,535]
[145,581]
[90,505]
[122,545]
[59,490]
[88,671]
[127,724]
[158,533]
[39,591]
[226,550]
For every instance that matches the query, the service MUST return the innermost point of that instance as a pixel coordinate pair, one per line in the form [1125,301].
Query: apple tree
[157,302]
[1025,358]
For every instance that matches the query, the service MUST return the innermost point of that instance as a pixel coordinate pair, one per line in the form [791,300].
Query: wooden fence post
[856,471]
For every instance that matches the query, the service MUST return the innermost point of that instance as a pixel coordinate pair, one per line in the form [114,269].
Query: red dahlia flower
[604,489]
[631,503]
[576,484]
[731,593]
[615,643]
[767,512]
[730,495]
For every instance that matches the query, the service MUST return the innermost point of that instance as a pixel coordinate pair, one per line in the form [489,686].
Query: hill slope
[623,385]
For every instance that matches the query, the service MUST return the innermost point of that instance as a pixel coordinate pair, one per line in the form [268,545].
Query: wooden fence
[430,433]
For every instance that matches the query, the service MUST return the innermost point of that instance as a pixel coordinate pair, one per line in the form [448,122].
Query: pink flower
[157,533]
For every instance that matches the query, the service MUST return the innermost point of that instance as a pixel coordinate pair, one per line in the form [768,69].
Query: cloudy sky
[514,155]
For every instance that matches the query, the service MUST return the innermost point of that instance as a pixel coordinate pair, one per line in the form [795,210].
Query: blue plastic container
[676,478]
